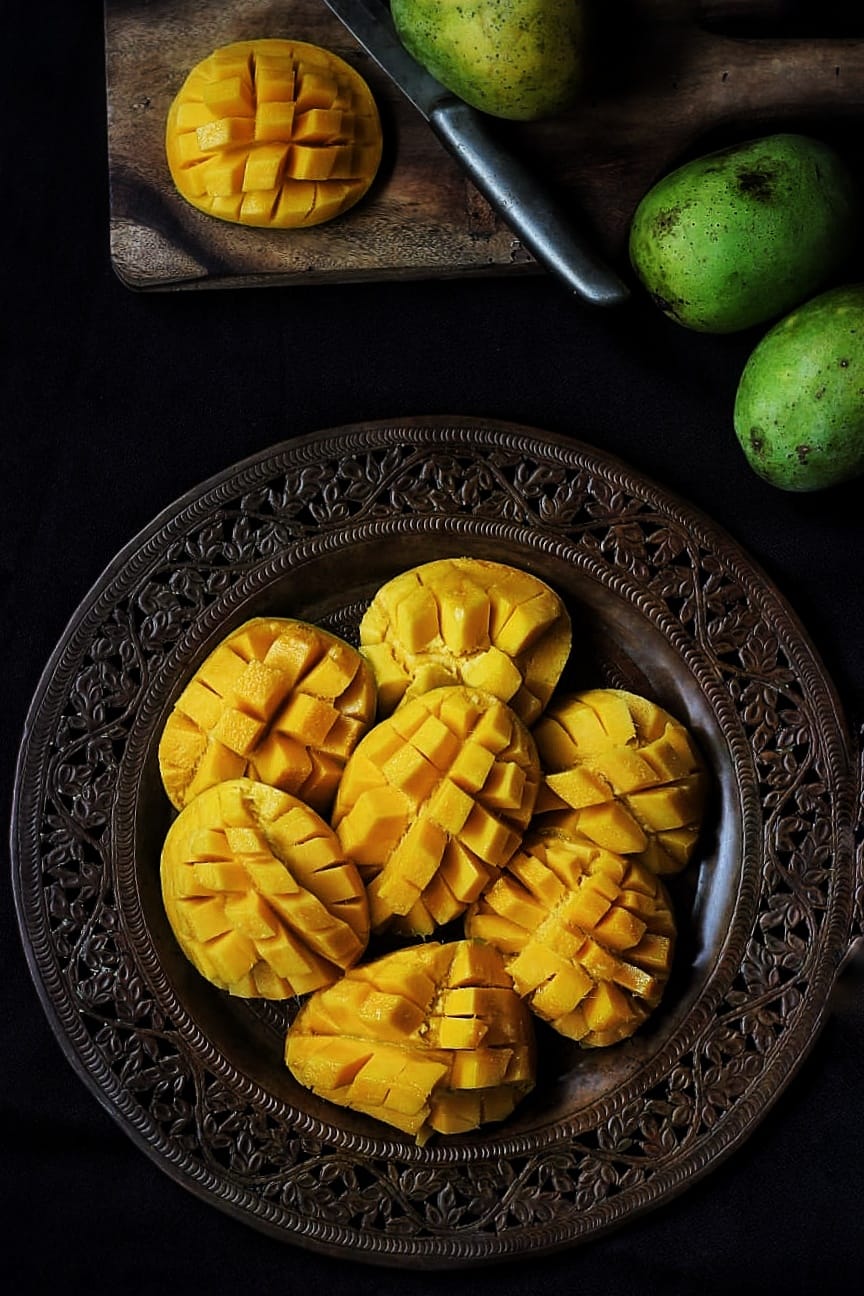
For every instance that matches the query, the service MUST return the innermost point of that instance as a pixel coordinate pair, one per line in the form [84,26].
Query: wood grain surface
[668,78]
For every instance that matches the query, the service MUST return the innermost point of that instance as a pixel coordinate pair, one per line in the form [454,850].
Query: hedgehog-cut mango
[278,700]
[587,936]
[621,771]
[433,802]
[259,894]
[273,133]
[467,621]
[431,1038]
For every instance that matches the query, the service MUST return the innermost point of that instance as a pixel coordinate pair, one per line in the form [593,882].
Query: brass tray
[663,602]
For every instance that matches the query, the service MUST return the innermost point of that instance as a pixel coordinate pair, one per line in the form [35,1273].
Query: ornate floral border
[213,1128]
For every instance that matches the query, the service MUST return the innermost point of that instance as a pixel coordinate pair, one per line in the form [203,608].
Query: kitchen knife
[547,231]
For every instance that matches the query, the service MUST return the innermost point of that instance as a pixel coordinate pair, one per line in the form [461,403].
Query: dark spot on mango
[757,440]
[801,453]
[844,363]
[757,184]
[665,221]
[819,393]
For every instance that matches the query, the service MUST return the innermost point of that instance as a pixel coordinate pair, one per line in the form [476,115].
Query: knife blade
[543,226]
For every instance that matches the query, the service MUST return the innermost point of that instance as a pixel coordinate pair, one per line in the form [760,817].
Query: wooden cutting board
[669,78]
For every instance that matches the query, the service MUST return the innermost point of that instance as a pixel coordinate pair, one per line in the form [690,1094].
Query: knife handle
[544,228]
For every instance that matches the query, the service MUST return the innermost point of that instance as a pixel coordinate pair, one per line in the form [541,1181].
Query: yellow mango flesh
[432,804]
[259,894]
[621,771]
[429,1038]
[547,841]
[465,620]
[273,133]
[586,935]
[278,700]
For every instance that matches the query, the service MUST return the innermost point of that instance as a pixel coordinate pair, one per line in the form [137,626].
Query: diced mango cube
[535,874]
[250,914]
[227,206]
[464,616]
[264,168]
[296,205]
[205,918]
[535,964]
[663,808]
[282,761]
[489,836]
[527,622]
[274,122]
[424,844]
[619,929]
[336,1062]
[559,750]
[208,844]
[605,1007]
[613,827]
[200,704]
[494,671]
[653,952]
[228,61]
[584,908]
[504,934]
[435,741]
[221,670]
[231,96]
[579,787]
[189,154]
[331,676]
[191,115]
[450,806]
[464,873]
[230,955]
[494,729]
[410,771]
[274,80]
[238,731]
[436,907]
[317,126]
[480,1068]
[511,901]
[504,788]
[374,825]
[471,767]
[307,717]
[224,132]
[457,1113]
[562,993]
[221,875]
[318,88]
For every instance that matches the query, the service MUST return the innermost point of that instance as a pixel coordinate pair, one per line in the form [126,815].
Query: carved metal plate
[662,602]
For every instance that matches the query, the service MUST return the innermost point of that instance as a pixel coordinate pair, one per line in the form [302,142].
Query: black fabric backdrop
[113,405]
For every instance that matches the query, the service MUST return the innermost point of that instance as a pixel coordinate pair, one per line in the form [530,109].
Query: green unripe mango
[799,408]
[741,235]
[518,59]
